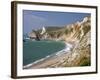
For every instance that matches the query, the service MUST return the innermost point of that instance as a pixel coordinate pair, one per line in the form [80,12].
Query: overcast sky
[38,19]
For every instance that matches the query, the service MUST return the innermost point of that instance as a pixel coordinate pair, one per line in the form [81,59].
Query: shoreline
[44,62]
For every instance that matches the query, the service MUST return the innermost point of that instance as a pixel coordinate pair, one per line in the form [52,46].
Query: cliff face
[71,32]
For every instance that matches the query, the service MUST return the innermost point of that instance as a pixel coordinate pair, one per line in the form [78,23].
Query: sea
[36,50]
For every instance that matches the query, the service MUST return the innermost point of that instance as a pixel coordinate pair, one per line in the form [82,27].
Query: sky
[37,19]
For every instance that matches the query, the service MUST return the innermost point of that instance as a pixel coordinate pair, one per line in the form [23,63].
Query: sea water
[35,50]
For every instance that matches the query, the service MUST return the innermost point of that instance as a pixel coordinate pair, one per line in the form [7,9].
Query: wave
[67,48]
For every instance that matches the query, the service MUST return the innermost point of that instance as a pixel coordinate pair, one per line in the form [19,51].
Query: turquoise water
[35,50]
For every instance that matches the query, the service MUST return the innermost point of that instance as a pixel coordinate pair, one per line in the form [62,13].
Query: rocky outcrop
[34,35]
